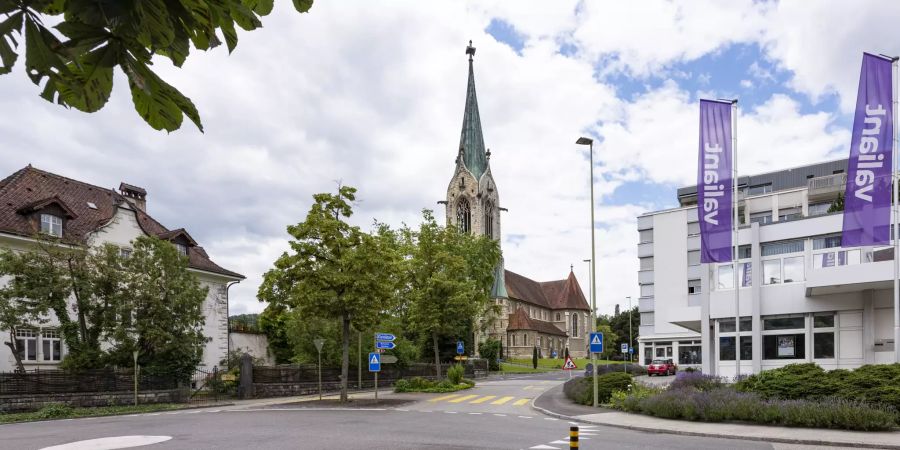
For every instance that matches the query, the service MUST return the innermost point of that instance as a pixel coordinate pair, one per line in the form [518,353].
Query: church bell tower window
[489,219]
[464,216]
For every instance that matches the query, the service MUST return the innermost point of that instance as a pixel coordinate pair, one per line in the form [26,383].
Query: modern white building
[802,297]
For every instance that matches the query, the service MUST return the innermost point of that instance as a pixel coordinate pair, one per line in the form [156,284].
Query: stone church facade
[551,316]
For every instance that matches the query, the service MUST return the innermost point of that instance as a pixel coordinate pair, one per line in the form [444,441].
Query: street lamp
[630,341]
[590,283]
[133,336]
[590,143]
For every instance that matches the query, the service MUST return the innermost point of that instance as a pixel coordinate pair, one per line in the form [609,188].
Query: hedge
[581,390]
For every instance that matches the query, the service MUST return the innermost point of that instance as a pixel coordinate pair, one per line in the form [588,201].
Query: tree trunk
[12,346]
[345,357]
[437,355]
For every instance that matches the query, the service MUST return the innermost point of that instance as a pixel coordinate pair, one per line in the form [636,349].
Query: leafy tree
[534,357]
[610,341]
[490,350]
[449,276]
[74,60]
[273,322]
[838,204]
[336,271]
[244,323]
[618,325]
[162,314]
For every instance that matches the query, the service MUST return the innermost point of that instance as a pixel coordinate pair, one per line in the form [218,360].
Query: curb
[710,435]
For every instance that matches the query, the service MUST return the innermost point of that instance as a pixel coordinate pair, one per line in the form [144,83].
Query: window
[779,248]
[574,324]
[693,258]
[826,242]
[693,286]
[514,340]
[823,345]
[182,249]
[647,318]
[489,219]
[760,189]
[463,215]
[690,354]
[818,209]
[743,252]
[772,271]
[784,346]
[761,218]
[26,341]
[646,263]
[746,274]
[726,348]
[727,325]
[788,214]
[51,225]
[525,339]
[124,253]
[645,236]
[693,228]
[793,269]
[557,317]
[823,321]
[784,323]
[646,290]
[51,345]
[725,277]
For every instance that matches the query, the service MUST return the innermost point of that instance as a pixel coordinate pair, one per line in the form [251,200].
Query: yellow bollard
[573,437]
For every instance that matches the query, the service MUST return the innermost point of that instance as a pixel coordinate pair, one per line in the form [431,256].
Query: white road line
[550,418]
[500,415]
[573,423]
[404,410]
[450,412]
[560,441]
[524,417]
[474,414]
[543,447]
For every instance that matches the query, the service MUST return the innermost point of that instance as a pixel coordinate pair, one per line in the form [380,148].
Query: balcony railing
[827,186]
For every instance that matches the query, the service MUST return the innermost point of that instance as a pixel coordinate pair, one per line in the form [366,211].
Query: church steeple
[471,141]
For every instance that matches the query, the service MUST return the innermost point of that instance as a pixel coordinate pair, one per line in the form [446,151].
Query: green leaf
[155,29]
[8,55]
[90,84]
[40,60]
[157,102]
[51,7]
[260,7]
[244,17]
[303,5]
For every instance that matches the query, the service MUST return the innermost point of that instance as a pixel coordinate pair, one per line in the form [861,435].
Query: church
[551,315]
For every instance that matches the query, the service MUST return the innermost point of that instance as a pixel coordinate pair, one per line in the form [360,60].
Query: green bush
[455,373]
[490,350]
[581,390]
[54,411]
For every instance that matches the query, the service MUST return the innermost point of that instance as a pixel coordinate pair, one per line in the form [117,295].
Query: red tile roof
[519,320]
[558,294]
[29,186]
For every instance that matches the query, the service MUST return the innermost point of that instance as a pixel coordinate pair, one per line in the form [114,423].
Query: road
[496,414]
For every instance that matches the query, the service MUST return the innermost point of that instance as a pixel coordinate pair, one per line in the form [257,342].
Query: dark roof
[28,187]
[519,320]
[558,294]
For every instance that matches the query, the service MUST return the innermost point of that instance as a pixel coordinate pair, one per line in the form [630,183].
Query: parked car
[662,367]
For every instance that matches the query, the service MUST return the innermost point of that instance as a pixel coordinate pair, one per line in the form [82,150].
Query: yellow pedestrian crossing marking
[483,399]
[501,400]
[463,398]
[446,397]
[521,402]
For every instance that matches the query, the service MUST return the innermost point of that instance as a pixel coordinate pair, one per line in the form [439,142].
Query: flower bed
[418,384]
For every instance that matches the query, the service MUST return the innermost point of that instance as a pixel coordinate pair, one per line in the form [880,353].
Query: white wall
[257,345]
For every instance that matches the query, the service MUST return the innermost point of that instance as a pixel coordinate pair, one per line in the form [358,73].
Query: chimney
[137,195]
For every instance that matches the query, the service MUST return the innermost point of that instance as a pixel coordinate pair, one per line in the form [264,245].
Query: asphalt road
[495,415]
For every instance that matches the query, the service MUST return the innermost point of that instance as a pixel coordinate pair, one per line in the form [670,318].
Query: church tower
[472,198]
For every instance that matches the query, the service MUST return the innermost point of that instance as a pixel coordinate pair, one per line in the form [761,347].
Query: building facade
[34,202]
[550,316]
[802,297]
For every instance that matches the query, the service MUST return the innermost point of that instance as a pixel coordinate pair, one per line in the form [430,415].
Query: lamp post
[590,143]
[630,339]
[319,342]
[133,337]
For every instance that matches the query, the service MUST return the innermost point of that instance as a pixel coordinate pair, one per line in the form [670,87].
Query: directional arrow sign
[596,342]
[384,345]
[385,337]
[388,359]
[374,362]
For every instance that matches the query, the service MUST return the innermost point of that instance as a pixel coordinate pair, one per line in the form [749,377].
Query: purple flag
[714,173]
[867,200]
[748,275]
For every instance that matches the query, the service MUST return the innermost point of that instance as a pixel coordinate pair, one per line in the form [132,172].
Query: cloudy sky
[372,95]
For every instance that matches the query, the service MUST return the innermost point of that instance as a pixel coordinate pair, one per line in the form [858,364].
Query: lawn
[548,363]
[512,368]
[65,412]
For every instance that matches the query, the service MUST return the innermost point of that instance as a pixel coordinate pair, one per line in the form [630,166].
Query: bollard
[573,437]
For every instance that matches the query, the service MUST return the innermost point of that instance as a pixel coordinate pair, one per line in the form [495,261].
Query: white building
[33,201]
[812,301]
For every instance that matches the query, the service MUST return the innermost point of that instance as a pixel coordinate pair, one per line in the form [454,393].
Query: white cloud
[746,84]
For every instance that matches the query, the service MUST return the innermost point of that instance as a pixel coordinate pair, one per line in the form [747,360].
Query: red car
[662,367]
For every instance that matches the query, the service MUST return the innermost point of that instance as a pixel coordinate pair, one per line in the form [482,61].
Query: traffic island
[353,403]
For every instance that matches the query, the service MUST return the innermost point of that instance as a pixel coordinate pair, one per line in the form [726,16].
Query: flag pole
[895,189]
[734,256]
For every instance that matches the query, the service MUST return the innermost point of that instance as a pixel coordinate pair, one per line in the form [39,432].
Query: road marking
[404,410]
[463,398]
[502,400]
[500,415]
[588,434]
[109,443]
[521,402]
[560,441]
[524,417]
[474,414]
[443,398]
[450,412]
[543,447]
[550,418]
[483,399]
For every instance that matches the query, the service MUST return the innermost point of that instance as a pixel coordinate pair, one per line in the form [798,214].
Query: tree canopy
[72,62]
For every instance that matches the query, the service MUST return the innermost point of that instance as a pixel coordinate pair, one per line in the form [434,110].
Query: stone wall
[33,402]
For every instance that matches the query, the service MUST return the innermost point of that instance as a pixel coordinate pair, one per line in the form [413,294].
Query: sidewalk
[554,403]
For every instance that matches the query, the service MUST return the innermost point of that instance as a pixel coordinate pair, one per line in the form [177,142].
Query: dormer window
[51,225]
[182,249]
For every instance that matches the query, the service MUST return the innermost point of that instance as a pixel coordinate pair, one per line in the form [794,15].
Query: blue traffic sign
[596,342]
[460,348]
[374,362]
[624,348]
[631,350]
[384,337]
[384,345]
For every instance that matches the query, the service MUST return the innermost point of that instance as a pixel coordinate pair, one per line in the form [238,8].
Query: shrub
[696,380]
[490,350]
[419,383]
[54,411]
[455,373]
[633,369]
[534,358]
[581,390]
[446,385]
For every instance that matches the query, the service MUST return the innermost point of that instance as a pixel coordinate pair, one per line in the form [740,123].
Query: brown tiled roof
[558,294]
[30,186]
[519,320]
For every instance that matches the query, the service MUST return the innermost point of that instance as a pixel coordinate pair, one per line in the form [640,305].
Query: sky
[371,95]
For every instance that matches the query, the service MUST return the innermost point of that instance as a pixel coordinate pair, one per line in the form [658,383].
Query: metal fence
[87,381]
[308,373]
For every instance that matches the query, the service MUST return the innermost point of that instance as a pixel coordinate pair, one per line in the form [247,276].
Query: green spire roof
[498,289]
[471,140]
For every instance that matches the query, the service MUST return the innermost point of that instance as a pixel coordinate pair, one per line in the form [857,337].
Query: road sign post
[375,366]
[625,352]
[569,366]
[319,342]
[596,346]
[383,341]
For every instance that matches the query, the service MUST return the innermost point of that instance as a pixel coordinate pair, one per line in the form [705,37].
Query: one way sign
[374,362]
[596,342]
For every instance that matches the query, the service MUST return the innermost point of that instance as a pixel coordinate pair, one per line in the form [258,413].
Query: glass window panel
[693,286]
[31,349]
[746,324]
[725,277]
[818,209]
[826,259]
[760,189]
[761,218]
[823,242]
[693,228]
[746,348]
[46,347]
[772,271]
[726,348]
[779,248]
[823,321]
[784,323]
[690,354]
[726,325]
[746,273]
[693,258]
[848,257]
[793,269]
[823,345]
[646,235]
[646,291]
[646,263]
[784,346]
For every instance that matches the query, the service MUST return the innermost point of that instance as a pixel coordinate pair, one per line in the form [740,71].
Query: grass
[419,384]
[59,411]
[511,368]
[548,363]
